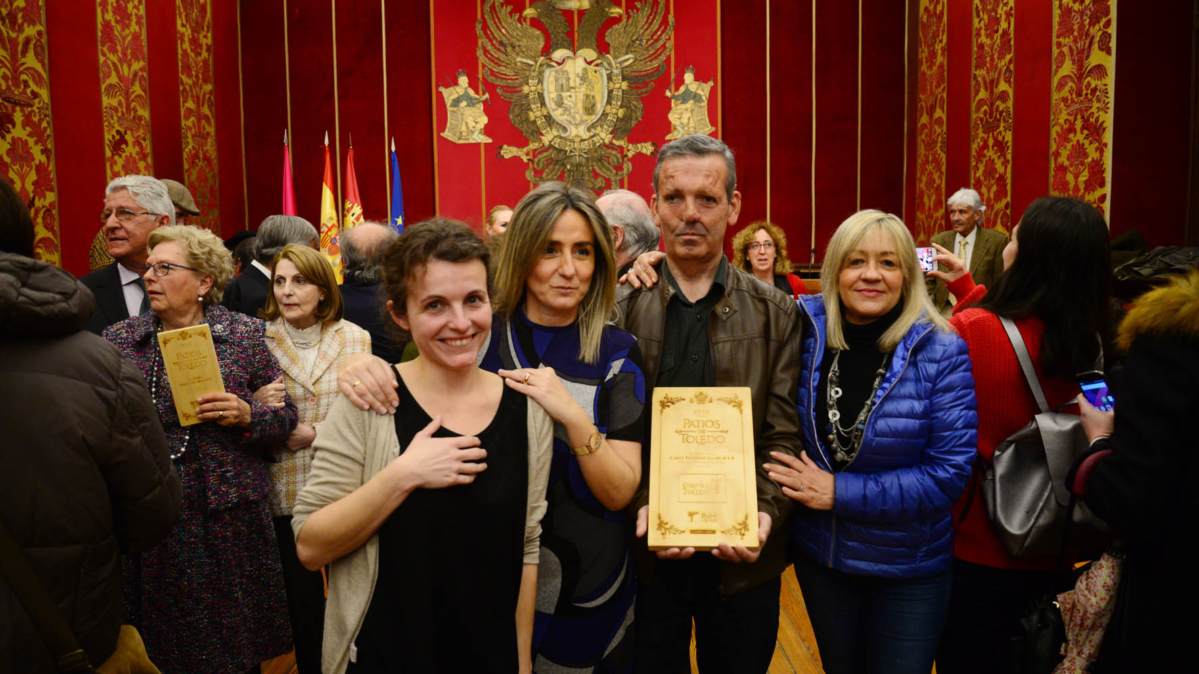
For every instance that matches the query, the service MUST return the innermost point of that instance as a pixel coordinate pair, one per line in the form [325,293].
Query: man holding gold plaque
[734,343]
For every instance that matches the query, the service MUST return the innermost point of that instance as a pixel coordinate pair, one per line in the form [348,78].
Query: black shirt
[686,354]
[450,560]
[781,282]
[858,367]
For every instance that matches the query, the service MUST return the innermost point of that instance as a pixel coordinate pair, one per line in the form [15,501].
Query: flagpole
[386,134]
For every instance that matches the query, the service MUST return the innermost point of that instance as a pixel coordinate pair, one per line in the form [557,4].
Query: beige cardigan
[351,447]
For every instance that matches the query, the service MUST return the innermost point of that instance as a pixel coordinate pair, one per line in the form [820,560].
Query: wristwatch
[592,446]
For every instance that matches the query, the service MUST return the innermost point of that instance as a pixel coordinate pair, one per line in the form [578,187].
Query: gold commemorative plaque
[702,473]
[191,367]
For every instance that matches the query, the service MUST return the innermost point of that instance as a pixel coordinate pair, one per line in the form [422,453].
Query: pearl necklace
[159,368]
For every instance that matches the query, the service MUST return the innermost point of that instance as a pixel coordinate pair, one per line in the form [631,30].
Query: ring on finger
[220,414]
[357,383]
[527,375]
[801,486]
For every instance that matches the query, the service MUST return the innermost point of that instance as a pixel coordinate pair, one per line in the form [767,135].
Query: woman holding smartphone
[1055,288]
[431,534]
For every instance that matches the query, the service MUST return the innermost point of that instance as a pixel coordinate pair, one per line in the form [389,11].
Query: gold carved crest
[575,105]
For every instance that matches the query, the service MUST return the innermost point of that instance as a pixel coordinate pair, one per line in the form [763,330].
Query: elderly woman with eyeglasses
[210,598]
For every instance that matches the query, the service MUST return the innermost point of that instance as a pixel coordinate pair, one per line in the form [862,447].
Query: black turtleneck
[858,367]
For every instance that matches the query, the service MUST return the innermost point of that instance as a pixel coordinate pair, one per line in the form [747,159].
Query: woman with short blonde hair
[497,219]
[204,251]
[220,565]
[887,405]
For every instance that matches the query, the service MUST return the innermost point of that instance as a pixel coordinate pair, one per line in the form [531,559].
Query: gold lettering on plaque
[192,368]
[702,486]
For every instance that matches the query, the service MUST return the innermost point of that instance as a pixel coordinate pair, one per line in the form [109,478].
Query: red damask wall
[1090,98]
[831,106]
[128,86]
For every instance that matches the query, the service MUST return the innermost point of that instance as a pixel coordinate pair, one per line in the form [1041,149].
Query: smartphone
[1094,388]
[925,255]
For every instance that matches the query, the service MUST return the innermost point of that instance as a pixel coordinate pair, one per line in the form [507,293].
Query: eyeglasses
[123,214]
[163,268]
[764,245]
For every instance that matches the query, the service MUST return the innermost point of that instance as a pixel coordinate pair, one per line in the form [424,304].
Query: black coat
[1146,489]
[86,474]
[364,309]
[247,293]
[105,284]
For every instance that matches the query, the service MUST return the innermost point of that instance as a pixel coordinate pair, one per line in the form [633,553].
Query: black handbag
[1037,647]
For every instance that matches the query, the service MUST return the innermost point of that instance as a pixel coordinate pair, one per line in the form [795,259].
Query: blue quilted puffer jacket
[891,512]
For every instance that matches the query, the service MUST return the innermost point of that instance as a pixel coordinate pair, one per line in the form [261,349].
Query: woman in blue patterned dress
[555,289]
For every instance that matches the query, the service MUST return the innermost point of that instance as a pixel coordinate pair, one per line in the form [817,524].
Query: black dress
[450,560]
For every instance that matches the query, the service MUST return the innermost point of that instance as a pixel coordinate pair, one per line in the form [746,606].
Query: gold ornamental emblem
[575,105]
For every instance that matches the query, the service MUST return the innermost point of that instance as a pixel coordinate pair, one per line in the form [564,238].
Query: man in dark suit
[134,206]
[247,293]
[980,248]
[361,259]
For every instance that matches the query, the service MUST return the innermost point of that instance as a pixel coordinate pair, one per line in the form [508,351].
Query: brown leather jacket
[754,334]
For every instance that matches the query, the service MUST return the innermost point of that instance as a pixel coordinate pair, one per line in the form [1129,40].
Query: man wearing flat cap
[185,205]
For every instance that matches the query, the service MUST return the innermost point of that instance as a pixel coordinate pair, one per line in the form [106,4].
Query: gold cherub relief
[689,106]
[465,118]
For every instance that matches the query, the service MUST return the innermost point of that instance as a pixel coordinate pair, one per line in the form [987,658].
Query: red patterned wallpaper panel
[26,138]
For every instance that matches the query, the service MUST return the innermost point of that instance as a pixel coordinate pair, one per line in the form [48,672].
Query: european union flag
[397,192]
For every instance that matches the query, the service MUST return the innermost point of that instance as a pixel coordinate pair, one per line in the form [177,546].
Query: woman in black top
[432,551]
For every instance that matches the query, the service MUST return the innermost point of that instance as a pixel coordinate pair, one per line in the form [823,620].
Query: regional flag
[329,244]
[353,205]
[289,190]
[397,192]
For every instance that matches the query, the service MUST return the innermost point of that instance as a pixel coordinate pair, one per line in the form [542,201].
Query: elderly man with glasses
[134,206]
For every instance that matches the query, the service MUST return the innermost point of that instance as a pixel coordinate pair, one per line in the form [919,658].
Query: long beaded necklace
[159,369]
[847,449]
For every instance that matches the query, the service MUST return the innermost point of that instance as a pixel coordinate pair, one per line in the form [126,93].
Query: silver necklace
[848,449]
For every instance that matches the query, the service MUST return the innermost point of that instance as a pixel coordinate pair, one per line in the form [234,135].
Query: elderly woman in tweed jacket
[209,598]
[308,337]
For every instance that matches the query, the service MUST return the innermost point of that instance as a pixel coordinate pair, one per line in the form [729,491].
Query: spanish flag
[353,206]
[329,216]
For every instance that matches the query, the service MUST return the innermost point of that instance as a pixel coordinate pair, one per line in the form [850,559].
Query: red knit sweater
[1005,405]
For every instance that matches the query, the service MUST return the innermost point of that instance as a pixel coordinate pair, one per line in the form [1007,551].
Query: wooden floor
[795,650]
